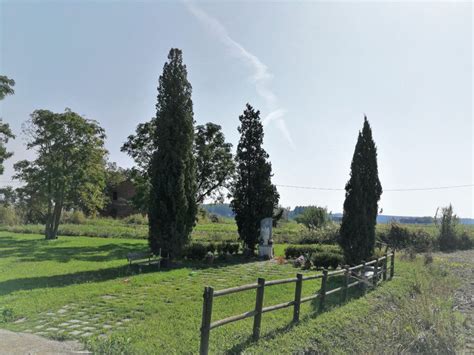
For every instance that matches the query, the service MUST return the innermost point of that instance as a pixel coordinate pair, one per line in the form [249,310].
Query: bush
[214,218]
[399,237]
[73,217]
[136,219]
[8,216]
[465,242]
[294,251]
[227,247]
[326,260]
[326,235]
[195,251]
[78,217]
[447,233]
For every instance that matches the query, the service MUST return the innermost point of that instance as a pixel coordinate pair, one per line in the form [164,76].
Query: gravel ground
[463,264]
[22,343]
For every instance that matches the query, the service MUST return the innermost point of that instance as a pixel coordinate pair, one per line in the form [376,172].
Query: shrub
[399,237]
[465,242]
[447,233]
[325,235]
[211,248]
[195,251]
[228,247]
[214,218]
[294,251]
[77,217]
[326,259]
[8,216]
[136,219]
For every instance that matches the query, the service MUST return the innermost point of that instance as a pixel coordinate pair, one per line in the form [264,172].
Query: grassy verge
[81,288]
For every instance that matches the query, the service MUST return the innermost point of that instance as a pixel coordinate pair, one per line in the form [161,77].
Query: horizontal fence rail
[378,268]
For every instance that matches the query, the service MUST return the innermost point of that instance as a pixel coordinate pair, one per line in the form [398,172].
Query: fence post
[322,292]
[257,320]
[345,289]
[392,264]
[364,284]
[298,287]
[384,274]
[376,271]
[206,319]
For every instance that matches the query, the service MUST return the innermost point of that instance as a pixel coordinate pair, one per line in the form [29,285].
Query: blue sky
[312,68]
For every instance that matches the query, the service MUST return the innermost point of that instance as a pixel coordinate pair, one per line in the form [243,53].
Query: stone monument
[265,245]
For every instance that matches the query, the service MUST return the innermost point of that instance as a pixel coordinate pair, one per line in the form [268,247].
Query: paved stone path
[22,343]
[463,264]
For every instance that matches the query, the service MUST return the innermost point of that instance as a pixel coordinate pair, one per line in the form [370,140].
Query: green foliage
[326,235]
[214,162]
[254,195]
[294,251]
[195,251]
[69,169]
[313,217]
[8,216]
[326,260]
[75,217]
[447,231]
[361,204]
[6,88]
[465,241]
[136,219]
[400,237]
[172,212]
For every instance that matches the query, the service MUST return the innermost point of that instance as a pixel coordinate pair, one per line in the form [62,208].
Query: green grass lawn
[81,288]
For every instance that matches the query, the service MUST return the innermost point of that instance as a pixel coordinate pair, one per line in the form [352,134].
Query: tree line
[178,166]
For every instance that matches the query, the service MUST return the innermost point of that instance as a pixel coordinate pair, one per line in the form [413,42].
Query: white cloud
[261,74]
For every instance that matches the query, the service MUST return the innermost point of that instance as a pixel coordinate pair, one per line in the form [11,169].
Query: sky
[313,69]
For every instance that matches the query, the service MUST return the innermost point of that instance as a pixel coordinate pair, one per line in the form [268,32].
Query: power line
[385,190]
[335,189]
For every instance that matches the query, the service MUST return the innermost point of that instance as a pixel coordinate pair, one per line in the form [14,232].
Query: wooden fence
[380,267]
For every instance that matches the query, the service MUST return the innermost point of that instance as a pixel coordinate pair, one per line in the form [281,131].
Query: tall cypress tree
[172,210]
[363,192]
[254,195]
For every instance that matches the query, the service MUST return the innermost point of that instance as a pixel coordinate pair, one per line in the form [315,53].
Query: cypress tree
[254,195]
[363,192]
[172,210]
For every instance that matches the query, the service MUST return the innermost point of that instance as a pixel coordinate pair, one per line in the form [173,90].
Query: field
[226,229]
[81,288]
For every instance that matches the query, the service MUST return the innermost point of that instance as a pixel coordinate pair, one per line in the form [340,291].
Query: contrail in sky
[260,76]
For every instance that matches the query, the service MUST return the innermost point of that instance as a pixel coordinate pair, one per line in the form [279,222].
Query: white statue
[265,248]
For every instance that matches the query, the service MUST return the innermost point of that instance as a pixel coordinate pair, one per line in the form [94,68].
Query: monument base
[265,251]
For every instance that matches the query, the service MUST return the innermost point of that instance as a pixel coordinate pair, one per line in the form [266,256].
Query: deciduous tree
[214,161]
[69,168]
[6,88]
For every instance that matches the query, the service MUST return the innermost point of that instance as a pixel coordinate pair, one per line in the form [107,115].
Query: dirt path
[463,264]
[22,343]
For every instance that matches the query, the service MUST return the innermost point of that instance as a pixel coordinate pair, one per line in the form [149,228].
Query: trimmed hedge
[326,260]
[198,251]
[294,251]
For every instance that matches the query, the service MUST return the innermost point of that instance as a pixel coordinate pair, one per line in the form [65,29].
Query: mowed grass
[81,288]
[75,285]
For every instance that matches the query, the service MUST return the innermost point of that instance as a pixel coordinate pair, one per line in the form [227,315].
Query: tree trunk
[55,216]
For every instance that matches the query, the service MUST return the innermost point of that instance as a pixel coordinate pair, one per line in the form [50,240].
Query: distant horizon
[313,69]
